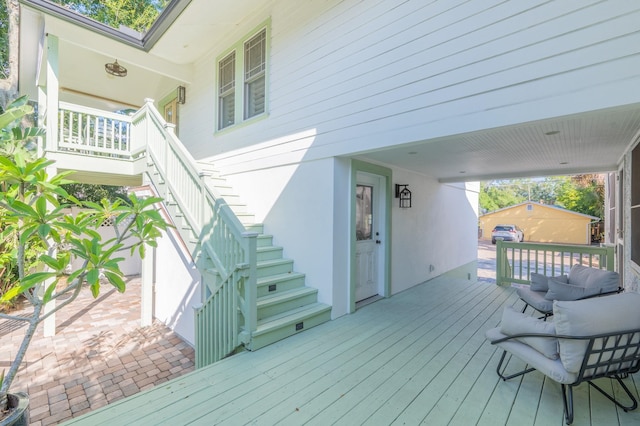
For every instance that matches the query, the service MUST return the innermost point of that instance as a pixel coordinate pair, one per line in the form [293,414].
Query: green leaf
[49,291]
[93,277]
[116,280]
[44,230]
[28,282]
[95,289]
[50,261]
[14,112]
[36,278]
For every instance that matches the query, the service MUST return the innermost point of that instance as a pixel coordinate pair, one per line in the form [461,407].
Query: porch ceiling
[588,142]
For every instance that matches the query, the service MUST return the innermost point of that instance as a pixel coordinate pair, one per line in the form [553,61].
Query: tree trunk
[9,86]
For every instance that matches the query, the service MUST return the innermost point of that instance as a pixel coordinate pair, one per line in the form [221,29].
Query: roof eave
[144,42]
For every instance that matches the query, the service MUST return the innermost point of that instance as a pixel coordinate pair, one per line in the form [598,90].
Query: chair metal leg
[634,402]
[568,402]
[501,373]
[543,318]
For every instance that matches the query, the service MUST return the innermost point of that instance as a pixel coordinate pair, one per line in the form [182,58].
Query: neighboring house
[287,116]
[541,223]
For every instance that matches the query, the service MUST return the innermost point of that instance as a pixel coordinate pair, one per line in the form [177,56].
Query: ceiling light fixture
[552,132]
[114,68]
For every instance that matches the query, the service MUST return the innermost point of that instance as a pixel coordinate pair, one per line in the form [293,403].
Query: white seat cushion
[552,368]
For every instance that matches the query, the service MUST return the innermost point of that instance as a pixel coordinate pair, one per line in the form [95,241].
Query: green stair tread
[281,296]
[269,248]
[290,317]
[275,279]
[273,262]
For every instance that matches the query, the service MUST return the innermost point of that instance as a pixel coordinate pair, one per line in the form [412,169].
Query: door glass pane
[169,115]
[364,212]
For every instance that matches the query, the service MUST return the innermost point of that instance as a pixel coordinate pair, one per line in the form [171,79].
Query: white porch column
[53,88]
[51,115]
[146,286]
[50,322]
[146,296]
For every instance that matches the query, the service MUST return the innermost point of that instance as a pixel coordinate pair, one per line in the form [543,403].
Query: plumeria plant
[41,238]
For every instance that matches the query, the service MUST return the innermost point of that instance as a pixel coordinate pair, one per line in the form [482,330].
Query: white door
[369,235]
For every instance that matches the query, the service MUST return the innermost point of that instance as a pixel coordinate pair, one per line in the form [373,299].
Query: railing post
[148,102]
[198,338]
[499,259]
[205,175]
[610,257]
[169,128]
[251,283]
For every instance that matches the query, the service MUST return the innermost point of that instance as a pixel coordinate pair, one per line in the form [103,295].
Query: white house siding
[365,75]
[176,287]
[347,77]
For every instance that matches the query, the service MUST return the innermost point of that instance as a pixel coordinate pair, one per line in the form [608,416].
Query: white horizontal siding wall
[347,77]
[365,75]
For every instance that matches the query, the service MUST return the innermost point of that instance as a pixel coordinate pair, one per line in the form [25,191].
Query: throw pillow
[589,277]
[515,322]
[562,291]
[539,281]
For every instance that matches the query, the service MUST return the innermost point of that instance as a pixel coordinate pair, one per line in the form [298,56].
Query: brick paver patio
[100,354]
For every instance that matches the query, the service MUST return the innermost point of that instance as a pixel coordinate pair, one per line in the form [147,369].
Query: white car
[507,233]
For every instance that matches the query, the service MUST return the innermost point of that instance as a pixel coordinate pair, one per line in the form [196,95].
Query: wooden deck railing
[218,240]
[516,261]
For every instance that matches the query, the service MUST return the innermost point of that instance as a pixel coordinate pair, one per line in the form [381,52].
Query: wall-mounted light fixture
[403,193]
[114,68]
[182,94]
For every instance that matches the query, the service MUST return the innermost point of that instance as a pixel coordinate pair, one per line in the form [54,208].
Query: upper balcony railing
[515,262]
[94,132]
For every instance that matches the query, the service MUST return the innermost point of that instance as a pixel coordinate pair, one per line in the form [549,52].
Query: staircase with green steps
[285,306]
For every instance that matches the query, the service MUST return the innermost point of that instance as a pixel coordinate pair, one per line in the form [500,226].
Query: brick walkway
[100,354]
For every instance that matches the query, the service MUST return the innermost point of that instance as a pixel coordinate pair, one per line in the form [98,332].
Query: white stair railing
[224,251]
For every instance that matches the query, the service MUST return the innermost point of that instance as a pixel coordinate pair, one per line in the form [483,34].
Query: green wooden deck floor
[418,357]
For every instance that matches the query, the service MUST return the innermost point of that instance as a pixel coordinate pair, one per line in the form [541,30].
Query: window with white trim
[255,65]
[248,98]
[226,90]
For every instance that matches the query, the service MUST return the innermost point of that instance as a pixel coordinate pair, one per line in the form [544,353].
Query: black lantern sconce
[182,94]
[403,193]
